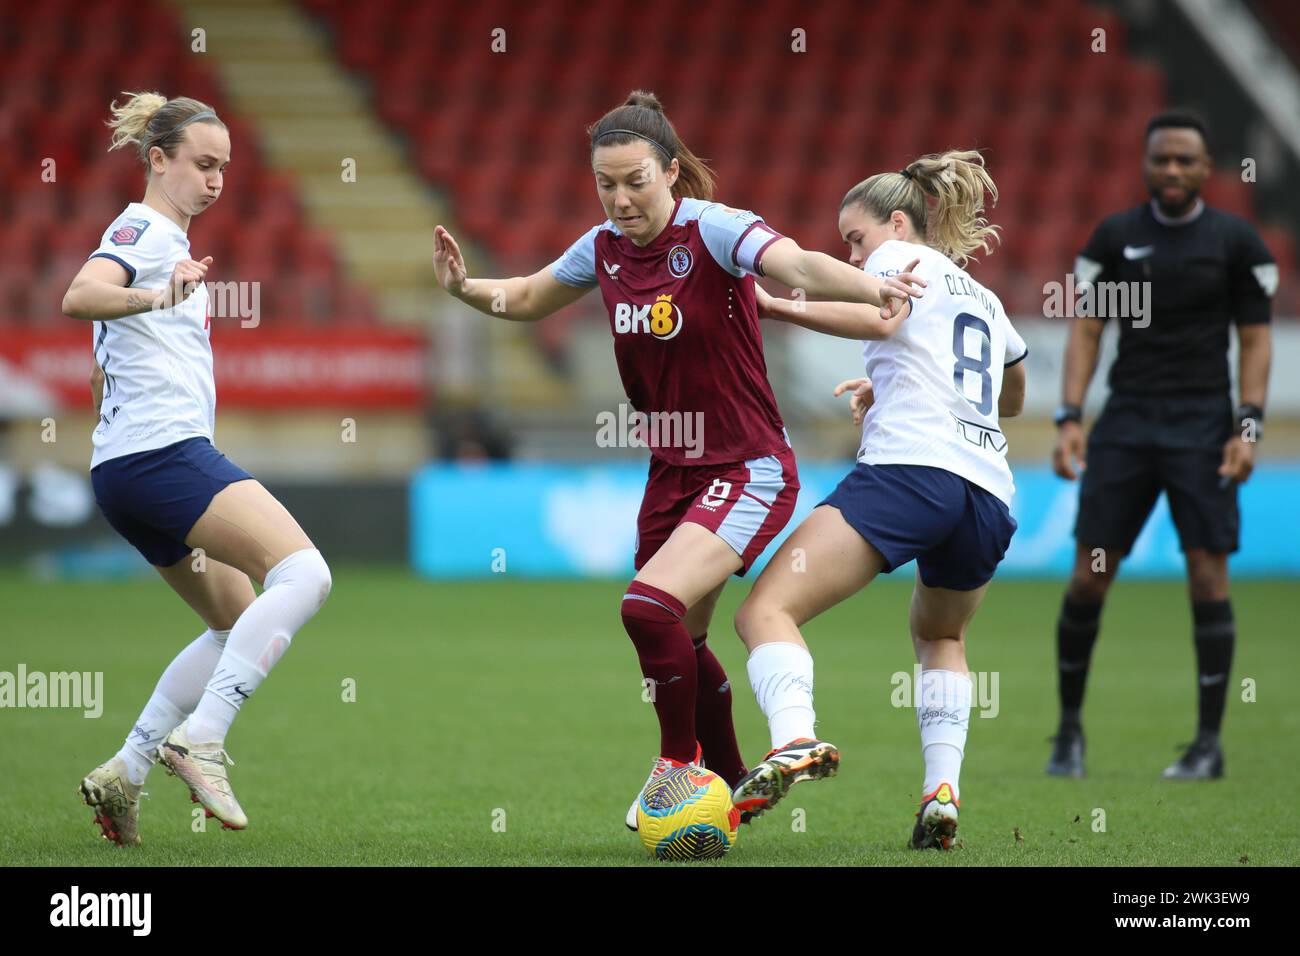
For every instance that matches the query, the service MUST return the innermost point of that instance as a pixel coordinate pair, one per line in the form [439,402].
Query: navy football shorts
[955,530]
[153,498]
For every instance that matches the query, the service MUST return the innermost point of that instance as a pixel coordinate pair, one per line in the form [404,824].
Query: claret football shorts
[745,503]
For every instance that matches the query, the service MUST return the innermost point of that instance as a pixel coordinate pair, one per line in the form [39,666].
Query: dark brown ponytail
[643,116]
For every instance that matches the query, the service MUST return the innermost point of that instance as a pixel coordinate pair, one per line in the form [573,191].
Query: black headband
[905,173]
[632,132]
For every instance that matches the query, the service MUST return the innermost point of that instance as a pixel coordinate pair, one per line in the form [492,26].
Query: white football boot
[203,768]
[116,801]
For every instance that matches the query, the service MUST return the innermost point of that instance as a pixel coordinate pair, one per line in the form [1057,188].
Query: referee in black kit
[1169,423]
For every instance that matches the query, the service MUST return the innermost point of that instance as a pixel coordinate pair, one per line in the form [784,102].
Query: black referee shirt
[1204,274]
[1171,375]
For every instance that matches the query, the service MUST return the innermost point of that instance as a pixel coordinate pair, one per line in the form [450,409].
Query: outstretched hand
[863,396]
[448,263]
[185,279]
[898,290]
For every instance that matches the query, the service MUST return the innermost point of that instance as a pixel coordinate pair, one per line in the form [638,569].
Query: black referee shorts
[1122,482]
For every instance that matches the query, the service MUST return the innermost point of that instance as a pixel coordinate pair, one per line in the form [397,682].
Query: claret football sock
[713,725]
[653,620]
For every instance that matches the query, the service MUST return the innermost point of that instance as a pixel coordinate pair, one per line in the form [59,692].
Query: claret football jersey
[685,323]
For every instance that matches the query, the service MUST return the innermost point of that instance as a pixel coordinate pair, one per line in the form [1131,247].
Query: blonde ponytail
[147,120]
[130,120]
[956,180]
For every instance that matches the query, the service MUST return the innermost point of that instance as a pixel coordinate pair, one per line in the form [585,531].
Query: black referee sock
[1076,632]
[1215,634]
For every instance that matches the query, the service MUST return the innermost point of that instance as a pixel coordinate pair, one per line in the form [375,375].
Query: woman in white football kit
[931,484]
[205,523]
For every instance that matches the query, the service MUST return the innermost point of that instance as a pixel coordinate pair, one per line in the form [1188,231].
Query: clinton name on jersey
[685,324]
[158,386]
[937,379]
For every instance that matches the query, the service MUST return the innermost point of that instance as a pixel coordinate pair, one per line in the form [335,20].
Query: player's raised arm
[520,299]
[846,320]
[101,290]
[820,276]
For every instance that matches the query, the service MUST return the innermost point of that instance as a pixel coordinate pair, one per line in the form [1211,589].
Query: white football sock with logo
[943,714]
[176,695]
[294,591]
[782,677]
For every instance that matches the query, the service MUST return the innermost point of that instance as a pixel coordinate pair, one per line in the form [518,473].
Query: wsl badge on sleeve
[129,231]
[680,261]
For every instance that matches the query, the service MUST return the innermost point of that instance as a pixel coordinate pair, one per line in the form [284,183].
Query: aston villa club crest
[679,261]
[129,231]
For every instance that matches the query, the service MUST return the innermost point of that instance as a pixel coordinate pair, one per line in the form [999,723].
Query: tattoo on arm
[139,303]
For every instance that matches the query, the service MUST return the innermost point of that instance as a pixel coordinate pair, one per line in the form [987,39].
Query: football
[686,814]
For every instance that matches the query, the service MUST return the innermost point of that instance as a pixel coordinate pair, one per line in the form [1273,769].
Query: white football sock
[782,677]
[177,693]
[294,591]
[943,714]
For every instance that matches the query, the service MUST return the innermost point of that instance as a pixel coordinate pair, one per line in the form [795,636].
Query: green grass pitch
[501,722]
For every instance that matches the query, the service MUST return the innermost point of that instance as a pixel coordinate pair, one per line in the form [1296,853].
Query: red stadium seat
[1228,192]
[72,59]
[1282,244]
[787,133]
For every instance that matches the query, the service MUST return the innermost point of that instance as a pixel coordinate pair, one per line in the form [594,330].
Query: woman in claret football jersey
[202,521]
[931,484]
[676,271]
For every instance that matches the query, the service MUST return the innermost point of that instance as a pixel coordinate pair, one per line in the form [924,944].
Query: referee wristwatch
[1068,413]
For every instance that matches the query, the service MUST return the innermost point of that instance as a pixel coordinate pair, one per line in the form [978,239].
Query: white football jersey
[158,386]
[937,379]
